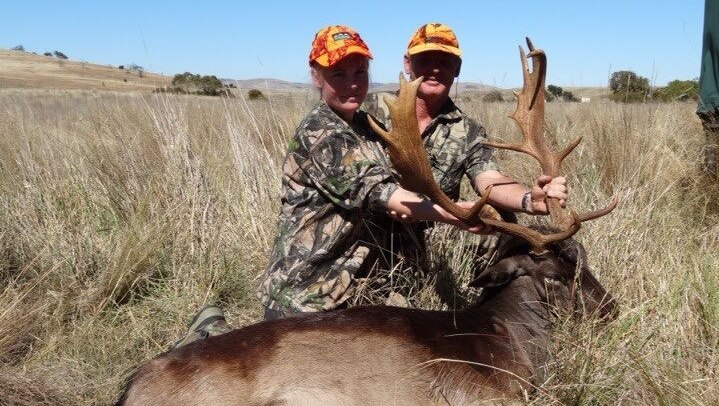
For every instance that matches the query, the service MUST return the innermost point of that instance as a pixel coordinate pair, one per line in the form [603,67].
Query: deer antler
[529,116]
[409,158]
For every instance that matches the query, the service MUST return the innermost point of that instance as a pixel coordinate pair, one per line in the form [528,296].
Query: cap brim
[324,60]
[434,47]
[354,49]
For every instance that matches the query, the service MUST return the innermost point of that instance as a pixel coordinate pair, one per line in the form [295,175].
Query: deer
[492,351]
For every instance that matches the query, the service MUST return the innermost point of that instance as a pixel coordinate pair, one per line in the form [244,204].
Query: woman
[335,187]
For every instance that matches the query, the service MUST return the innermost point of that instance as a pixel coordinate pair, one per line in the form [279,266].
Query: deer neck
[519,310]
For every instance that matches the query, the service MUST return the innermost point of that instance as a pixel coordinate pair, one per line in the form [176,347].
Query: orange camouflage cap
[335,42]
[433,37]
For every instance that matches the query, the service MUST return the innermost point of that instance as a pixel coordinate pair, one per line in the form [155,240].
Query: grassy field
[122,214]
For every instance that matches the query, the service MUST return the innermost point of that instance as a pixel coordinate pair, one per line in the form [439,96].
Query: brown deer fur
[380,355]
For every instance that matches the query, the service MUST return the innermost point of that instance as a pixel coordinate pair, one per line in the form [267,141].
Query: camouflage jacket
[453,142]
[335,187]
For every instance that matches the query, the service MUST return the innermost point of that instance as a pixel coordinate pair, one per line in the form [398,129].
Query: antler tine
[409,158]
[537,240]
[599,213]
[529,116]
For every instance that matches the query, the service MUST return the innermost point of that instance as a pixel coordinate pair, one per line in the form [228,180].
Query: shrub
[493,96]
[59,55]
[18,48]
[569,97]
[254,94]
[48,54]
[555,91]
[188,83]
[136,68]
[678,90]
[196,84]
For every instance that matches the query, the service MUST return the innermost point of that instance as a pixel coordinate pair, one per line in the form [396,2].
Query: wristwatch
[527,202]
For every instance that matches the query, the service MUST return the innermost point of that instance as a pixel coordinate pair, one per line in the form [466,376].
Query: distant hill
[25,70]
[279,85]
[463,87]
[266,84]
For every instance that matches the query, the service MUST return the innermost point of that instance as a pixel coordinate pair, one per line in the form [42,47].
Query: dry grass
[123,214]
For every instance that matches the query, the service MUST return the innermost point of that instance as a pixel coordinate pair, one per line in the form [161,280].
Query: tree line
[625,87]
[56,54]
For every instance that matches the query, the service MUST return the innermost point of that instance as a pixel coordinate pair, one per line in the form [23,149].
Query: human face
[438,68]
[343,86]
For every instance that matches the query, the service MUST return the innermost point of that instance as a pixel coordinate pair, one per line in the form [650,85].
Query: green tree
[18,48]
[678,90]
[59,55]
[196,84]
[626,86]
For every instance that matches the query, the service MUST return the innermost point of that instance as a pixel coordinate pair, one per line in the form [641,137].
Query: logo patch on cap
[340,36]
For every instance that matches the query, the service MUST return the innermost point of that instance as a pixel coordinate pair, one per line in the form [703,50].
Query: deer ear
[504,271]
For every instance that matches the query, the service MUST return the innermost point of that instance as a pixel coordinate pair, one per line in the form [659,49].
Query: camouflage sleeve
[479,157]
[342,166]
[379,196]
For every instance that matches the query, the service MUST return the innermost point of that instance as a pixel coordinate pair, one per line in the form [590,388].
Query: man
[453,140]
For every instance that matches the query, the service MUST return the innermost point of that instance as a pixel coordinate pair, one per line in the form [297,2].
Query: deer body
[378,355]
[359,356]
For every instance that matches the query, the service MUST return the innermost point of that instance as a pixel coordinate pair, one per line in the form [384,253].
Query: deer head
[562,276]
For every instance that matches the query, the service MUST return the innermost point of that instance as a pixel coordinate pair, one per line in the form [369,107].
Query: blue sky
[584,40]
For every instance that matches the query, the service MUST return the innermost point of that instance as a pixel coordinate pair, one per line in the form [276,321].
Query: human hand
[480,228]
[547,186]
